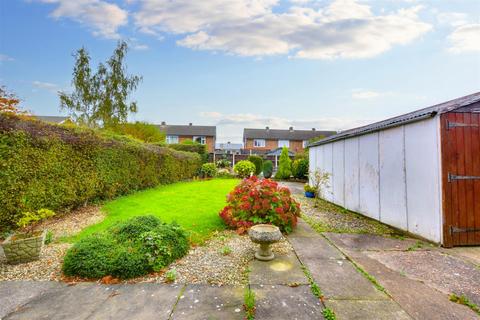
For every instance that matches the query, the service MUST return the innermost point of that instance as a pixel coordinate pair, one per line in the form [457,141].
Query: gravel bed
[49,267]
[330,218]
[208,265]
[67,224]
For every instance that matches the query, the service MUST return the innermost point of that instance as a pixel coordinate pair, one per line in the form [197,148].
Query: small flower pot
[22,248]
[309,194]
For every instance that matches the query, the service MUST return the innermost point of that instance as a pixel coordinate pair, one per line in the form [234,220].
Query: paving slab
[318,247]
[67,302]
[303,229]
[205,302]
[471,254]
[284,269]
[416,298]
[14,294]
[440,271]
[339,279]
[367,309]
[140,301]
[289,303]
[364,242]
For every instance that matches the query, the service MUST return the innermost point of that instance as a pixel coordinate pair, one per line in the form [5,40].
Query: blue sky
[251,63]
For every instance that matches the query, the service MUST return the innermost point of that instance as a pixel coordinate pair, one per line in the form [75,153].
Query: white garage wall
[391,176]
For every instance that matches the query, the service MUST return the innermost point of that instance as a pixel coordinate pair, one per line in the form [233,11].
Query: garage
[419,172]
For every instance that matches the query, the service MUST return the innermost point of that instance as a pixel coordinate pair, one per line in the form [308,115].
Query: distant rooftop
[289,134]
[188,130]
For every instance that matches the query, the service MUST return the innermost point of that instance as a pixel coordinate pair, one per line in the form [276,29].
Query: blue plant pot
[309,194]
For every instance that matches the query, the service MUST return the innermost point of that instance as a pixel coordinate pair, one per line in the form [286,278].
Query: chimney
[313,129]
[267,128]
[291,129]
[163,123]
[190,124]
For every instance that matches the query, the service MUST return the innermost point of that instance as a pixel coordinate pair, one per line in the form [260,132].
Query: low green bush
[208,170]
[47,166]
[223,164]
[258,162]
[139,130]
[267,168]
[244,168]
[300,168]
[149,248]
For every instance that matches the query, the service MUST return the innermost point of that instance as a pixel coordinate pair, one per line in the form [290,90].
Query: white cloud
[4,57]
[343,29]
[365,94]
[102,17]
[230,126]
[53,88]
[454,19]
[465,38]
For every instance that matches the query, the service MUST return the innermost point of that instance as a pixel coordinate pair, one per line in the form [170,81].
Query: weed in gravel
[226,250]
[328,314]
[317,292]
[417,245]
[249,304]
[465,301]
[48,237]
[171,275]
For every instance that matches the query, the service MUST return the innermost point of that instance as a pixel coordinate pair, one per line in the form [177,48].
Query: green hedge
[58,167]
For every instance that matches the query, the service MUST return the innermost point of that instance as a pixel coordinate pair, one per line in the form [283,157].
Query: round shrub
[300,168]
[284,166]
[244,168]
[127,250]
[267,169]
[258,162]
[91,257]
[132,228]
[208,170]
[256,201]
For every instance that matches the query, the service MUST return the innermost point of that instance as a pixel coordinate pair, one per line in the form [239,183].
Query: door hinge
[451,125]
[454,177]
[454,229]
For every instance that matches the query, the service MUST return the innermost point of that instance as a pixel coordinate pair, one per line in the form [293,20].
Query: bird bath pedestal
[264,234]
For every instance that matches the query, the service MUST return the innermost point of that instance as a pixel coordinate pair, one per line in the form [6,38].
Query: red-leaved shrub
[256,201]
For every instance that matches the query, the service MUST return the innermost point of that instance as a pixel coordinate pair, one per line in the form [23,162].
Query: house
[228,148]
[265,140]
[52,119]
[202,134]
[418,172]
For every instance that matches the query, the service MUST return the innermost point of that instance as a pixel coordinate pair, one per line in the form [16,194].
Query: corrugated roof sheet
[403,119]
[188,130]
[276,134]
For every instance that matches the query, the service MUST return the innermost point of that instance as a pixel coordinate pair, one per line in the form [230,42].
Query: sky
[332,65]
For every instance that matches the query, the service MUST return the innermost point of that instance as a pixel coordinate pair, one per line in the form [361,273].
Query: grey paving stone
[68,302]
[204,302]
[416,298]
[369,242]
[289,303]
[367,309]
[14,294]
[139,301]
[284,269]
[303,230]
[339,279]
[314,247]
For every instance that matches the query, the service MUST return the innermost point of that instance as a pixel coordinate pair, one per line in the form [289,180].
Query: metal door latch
[451,125]
[454,177]
[461,230]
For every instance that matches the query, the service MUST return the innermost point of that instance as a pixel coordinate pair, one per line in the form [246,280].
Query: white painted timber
[339,172]
[369,176]
[352,170]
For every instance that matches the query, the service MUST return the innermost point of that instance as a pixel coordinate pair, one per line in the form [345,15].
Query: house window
[200,139]
[305,142]
[283,143]
[259,143]
[172,139]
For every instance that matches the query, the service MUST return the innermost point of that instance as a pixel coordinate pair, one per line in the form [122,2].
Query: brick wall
[295,145]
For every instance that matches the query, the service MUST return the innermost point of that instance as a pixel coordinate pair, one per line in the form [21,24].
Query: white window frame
[284,143]
[259,143]
[171,139]
[203,139]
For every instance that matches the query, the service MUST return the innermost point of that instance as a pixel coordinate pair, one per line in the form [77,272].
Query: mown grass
[193,205]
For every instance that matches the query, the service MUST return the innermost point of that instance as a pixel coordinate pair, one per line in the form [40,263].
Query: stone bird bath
[264,235]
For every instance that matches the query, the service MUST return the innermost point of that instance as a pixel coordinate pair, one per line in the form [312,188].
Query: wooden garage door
[461,178]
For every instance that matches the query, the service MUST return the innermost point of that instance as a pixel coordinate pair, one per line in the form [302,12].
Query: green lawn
[193,205]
